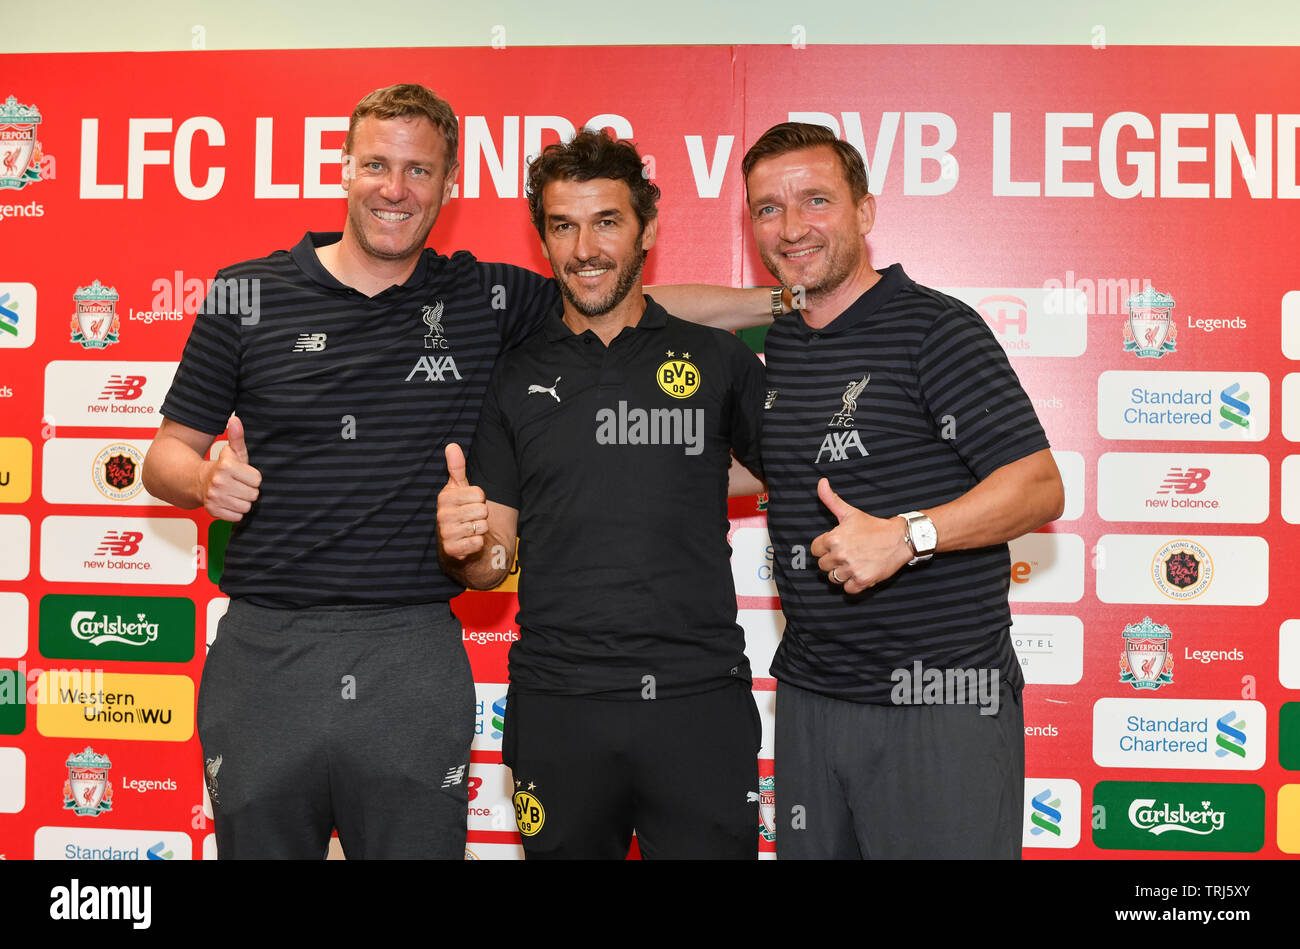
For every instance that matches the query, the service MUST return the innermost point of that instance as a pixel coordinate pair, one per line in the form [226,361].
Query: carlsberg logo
[97,629]
[1158,820]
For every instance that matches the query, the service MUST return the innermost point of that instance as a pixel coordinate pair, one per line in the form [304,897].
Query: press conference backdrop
[1119,217]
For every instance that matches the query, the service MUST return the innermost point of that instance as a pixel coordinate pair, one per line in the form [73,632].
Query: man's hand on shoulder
[861,550]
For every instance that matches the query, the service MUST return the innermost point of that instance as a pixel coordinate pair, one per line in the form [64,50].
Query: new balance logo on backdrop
[123,388]
[309,343]
[1189,481]
[120,544]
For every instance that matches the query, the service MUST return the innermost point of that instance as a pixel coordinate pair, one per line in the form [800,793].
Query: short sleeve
[974,396]
[748,394]
[521,299]
[492,465]
[202,395]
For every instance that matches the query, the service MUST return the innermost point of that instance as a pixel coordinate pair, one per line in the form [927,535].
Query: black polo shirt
[905,401]
[347,402]
[616,459]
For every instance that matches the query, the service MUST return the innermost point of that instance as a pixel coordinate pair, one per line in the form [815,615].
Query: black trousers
[681,772]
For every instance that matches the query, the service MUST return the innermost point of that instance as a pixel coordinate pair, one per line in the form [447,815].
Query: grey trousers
[858,781]
[358,719]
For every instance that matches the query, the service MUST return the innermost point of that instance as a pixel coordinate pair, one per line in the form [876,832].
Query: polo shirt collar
[892,279]
[304,255]
[655,317]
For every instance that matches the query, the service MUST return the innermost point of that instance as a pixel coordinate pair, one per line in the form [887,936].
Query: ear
[449,182]
[545,250]
[348,171]
[649,234]
[866,214]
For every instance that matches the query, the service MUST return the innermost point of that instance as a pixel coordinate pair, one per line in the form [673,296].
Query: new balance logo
[1178,481]
[124,544]
[433,368]
[123,388]
[838,445]
[309,343]
[454,776]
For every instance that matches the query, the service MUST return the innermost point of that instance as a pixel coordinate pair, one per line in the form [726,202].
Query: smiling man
[604,445]
[901,455]
[338,693]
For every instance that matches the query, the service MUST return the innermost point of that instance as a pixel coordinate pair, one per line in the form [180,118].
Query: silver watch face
[923,535]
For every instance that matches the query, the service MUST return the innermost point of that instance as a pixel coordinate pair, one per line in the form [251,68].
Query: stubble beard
[358,218]
[628,276]
[839,267]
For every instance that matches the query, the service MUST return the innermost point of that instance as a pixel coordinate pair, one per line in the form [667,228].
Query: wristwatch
[921,536]
[778,305]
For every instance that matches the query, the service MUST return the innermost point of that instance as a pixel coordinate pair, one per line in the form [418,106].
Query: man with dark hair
[338,693]
[886,397]
[604,446]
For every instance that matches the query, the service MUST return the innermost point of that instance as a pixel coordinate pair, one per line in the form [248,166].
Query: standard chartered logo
[1231,739]
[1046,816]
[1145,815]
[97,629]
[1235,409]
[1205,406]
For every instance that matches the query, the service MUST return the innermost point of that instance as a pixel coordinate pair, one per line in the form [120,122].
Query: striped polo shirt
[347,402]
[904,402]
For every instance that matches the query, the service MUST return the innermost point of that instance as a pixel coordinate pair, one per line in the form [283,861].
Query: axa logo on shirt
[433,369]
[836,446]
[1183,406]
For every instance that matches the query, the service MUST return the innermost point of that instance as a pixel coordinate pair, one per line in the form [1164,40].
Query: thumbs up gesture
[230,485]
[861,550]
[462,510]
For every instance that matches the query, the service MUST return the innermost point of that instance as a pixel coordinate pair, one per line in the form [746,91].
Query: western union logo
[15,470]
[126,706]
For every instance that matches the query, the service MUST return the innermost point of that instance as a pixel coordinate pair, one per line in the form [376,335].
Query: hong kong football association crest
[116,471]
[1182,570]
[1149,330]
[95,324]
[88,792]
[1146,663]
